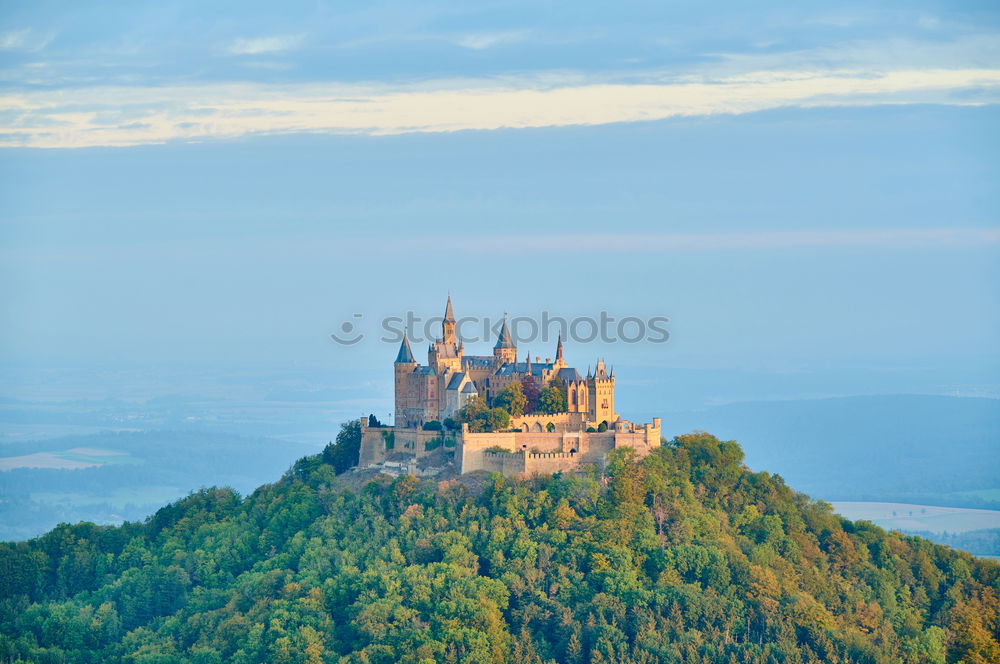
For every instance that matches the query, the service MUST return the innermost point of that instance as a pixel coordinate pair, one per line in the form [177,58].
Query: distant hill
[908,448]
[685,556]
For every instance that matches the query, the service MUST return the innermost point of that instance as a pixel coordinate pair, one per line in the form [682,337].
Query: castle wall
[405,440]
[518,453]
[509,464]
[537,422]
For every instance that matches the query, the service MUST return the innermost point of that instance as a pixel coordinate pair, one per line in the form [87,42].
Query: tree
[552,400]
[472,409]
[433,425]
[373,421]
[497,419]
[480,418]
[531,392]
[343,454]
[512,399]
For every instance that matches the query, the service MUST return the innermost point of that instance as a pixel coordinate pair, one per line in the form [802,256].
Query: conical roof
[449,315]
[504,340]
[405,354]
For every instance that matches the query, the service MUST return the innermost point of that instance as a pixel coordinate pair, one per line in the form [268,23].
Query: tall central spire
[448,332]
[449,315]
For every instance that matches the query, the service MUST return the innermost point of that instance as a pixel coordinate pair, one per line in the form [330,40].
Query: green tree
[343,454]
[472,410]
[512,399]
[552,400]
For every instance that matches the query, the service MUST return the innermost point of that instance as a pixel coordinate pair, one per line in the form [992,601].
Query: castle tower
[560,362]
[601,394]
[448,332]
[505,351]
[402,369]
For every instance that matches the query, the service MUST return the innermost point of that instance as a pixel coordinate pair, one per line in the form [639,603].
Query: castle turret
[601,394]
[402,370]
[559,353]
[505,352]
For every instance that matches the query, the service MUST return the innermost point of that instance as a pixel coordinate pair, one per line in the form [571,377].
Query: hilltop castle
[429,394]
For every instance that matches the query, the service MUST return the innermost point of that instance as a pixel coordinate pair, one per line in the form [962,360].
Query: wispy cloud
[24,39]
[644,243]
[317,246]
[108,116]
[483,40]
[261,45]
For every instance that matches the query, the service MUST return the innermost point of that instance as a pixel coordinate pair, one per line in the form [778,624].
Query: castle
[427,395]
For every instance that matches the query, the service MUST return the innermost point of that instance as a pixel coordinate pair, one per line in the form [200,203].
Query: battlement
[552,455]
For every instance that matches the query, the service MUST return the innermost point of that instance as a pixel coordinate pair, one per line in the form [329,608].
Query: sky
[803,190]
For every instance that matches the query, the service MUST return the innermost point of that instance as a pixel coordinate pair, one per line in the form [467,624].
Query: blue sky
[797,187]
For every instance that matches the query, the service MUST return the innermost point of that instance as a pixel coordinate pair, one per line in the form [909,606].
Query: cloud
[470,244]
[24,39]
[484,40]
[134,115]
[260,45]
[656,243]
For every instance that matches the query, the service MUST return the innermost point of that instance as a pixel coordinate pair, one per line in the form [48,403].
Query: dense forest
[684,556]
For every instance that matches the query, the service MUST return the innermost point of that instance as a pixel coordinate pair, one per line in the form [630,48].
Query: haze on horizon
[807,193]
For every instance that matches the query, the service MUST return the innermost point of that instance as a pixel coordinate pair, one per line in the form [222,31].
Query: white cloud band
[121,116]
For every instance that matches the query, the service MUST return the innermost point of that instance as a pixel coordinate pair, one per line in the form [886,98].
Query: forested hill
[683,557]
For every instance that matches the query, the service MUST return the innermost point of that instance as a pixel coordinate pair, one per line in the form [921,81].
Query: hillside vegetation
[683,557]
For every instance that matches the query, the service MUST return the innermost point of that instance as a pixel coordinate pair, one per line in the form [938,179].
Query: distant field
[907,517]
[72,459]
[44,460]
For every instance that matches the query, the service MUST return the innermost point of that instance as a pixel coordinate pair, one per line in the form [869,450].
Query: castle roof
[449,315]
[534,368]
[456,380]
[477,360]
[445,350]
[405,354]
[569,375]
[503,339]
[470,388]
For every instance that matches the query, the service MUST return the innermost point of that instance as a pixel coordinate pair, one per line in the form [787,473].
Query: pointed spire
[559,349]
[449,315]
[503,339]
[405,355]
